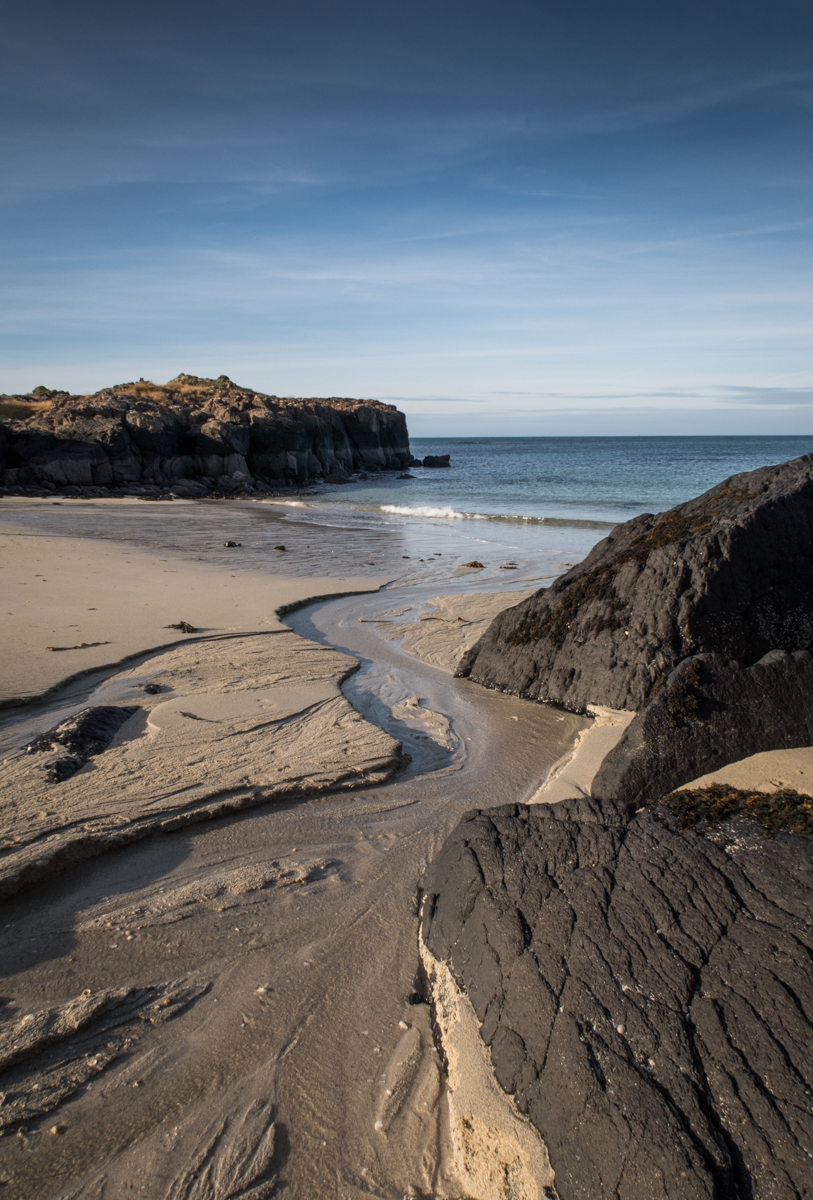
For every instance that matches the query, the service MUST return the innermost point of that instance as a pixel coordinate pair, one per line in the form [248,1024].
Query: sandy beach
[211,930]
[210,947]
[120,601]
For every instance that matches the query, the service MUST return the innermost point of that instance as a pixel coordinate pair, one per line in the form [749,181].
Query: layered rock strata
[197,436]
[729,572]
[711,711]
[646,993]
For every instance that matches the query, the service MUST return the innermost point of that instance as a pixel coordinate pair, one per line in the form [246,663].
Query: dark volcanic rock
[731,571]
[647,994]
[711,711]
[83,735]
[196,436]
[436,460]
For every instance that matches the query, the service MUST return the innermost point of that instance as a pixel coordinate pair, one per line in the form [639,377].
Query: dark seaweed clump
[682,699]
[554,623]
[786,810]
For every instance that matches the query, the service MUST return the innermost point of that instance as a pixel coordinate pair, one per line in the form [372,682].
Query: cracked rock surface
[730,571]
[646,994]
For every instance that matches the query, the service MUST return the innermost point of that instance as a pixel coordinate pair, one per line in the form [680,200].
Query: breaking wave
[451,514]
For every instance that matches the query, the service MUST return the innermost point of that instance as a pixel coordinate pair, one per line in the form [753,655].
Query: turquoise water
[550,480]
[526,496]
[526,508]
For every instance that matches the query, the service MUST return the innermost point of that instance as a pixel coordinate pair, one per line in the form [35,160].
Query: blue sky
[519,218]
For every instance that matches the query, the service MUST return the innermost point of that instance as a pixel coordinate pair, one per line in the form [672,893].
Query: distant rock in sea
[729,572]
[193,437]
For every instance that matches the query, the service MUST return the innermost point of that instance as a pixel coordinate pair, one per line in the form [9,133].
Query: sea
[589,481]
[526,508]
[525,494]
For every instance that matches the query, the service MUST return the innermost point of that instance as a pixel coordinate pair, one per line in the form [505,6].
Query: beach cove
[285,936]
[211,951]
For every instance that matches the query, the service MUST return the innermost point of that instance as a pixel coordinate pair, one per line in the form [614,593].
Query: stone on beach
[710,711]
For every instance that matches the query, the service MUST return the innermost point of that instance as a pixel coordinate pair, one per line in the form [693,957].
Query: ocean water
[539,502]
[588,481]
[526,508]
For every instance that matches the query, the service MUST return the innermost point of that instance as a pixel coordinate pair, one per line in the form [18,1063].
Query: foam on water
[451,514]
[426,510]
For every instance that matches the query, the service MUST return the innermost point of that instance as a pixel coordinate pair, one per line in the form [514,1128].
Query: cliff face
[196,436]
[730,571]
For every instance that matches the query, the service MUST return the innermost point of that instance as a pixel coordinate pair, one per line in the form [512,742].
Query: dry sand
[573,775]
[498,1155]
[62,591]
[770,771]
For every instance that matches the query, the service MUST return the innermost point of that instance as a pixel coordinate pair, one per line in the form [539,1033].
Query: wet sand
[234,1002]
[234,1006]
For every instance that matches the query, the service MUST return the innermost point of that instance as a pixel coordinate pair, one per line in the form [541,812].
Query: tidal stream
[332,1047]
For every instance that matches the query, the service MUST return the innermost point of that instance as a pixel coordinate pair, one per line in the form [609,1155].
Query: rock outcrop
[195,436]
[729,572]
[710,711]
[83,735]
[646,993]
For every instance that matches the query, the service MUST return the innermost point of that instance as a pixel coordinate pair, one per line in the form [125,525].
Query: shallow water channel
[333,1050]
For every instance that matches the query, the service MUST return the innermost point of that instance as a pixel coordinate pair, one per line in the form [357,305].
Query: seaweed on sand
[786,810]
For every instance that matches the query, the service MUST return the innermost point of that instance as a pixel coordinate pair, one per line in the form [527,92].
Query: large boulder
[710,711]
[730,571]
[209,432]
[646,993]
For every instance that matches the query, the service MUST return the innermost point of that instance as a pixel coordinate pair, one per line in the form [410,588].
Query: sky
[506,218]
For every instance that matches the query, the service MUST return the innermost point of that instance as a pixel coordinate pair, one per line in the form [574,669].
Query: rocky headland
[192,437]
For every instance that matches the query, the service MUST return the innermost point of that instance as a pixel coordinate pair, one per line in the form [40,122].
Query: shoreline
[321,859]
[292,928]
[131,607]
